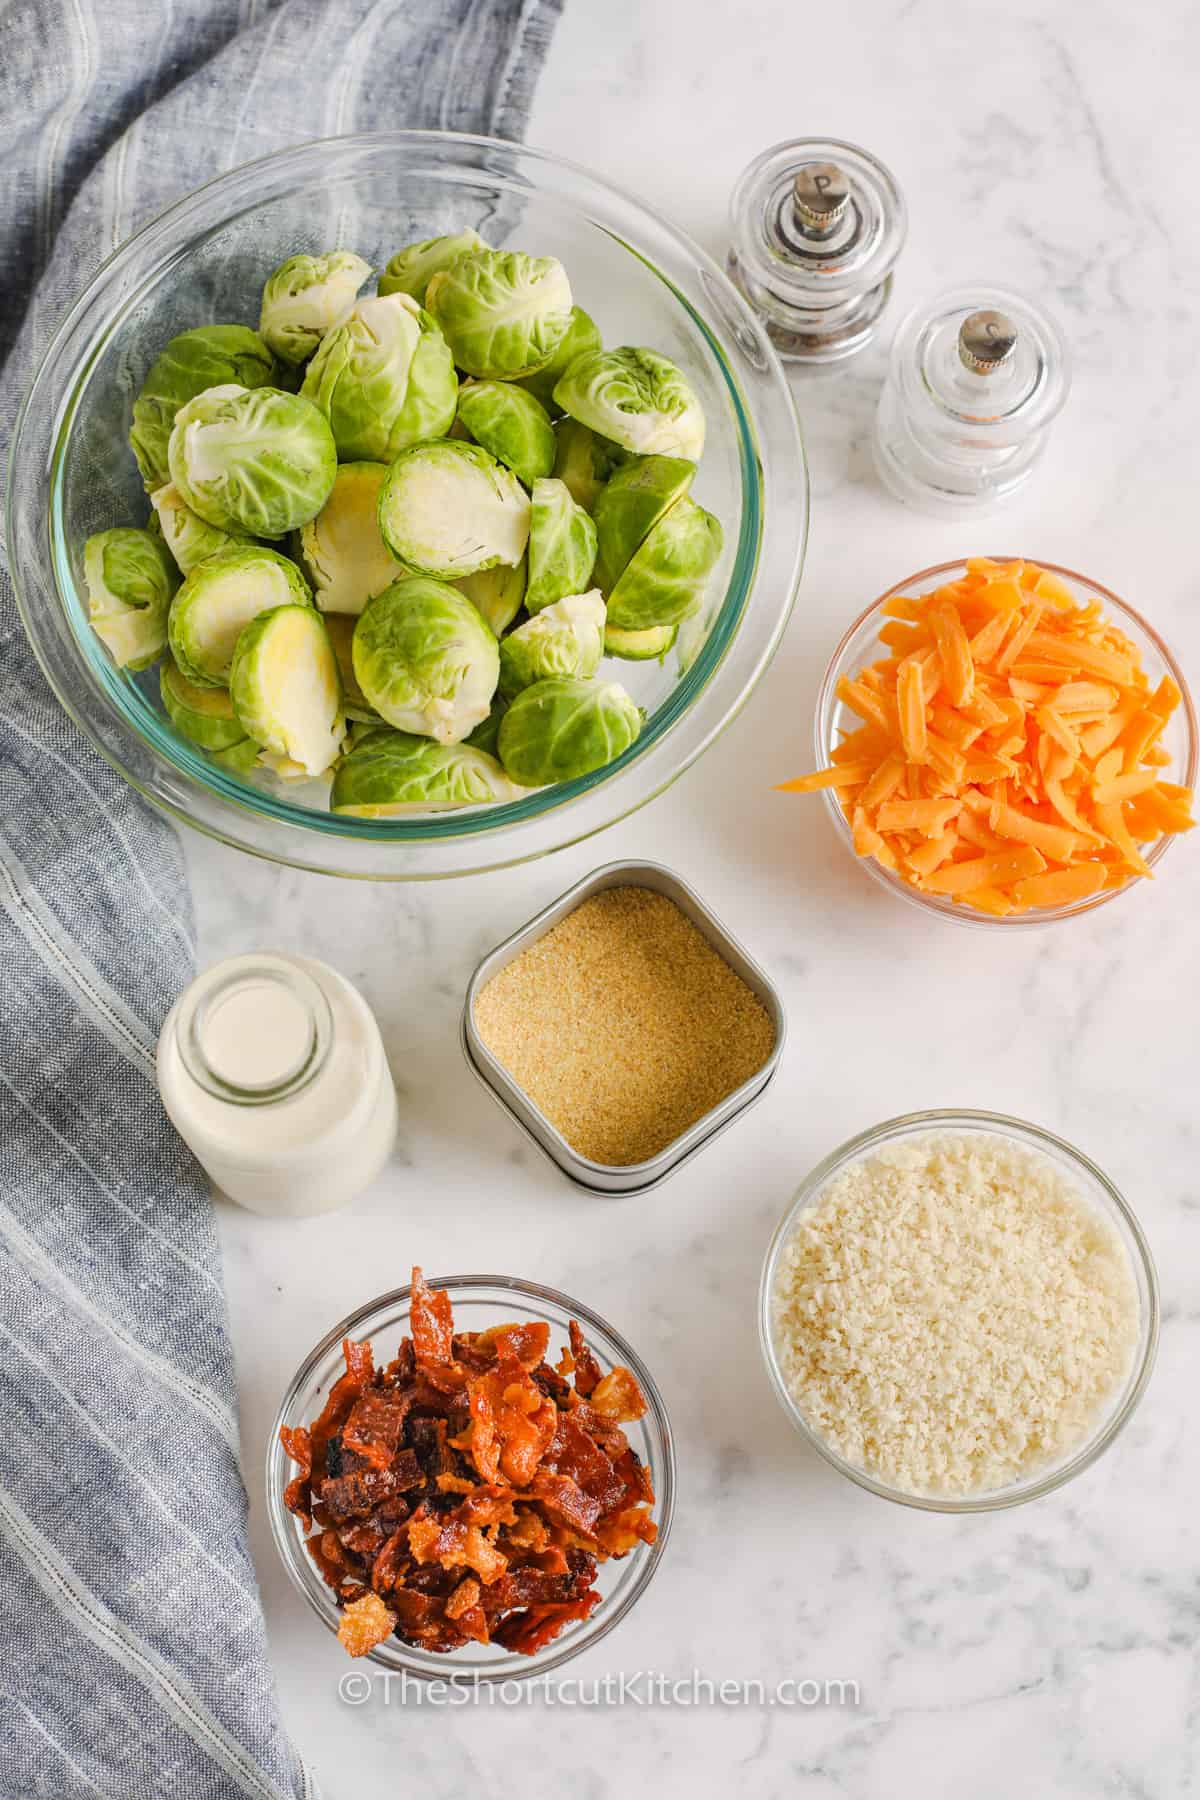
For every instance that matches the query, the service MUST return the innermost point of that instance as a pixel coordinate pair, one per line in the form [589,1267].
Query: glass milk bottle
[272,1070]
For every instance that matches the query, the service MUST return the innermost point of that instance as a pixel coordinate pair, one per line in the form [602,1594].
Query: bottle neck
[255,1030]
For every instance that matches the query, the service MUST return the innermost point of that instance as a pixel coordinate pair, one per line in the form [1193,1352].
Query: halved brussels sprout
[340,627]
[188,537]
[410,270]
[663,583]
[650,645]
[286,689]
[391,773]
[341,550]
[496,594]
[203,715]
[630,505]
[565,638]
[486,735]
[583,462]
[210,356]
[384,378]
[636,397]
[218,600]
[252,460]
[451,509]
[503,313]
[562,546]
[130,579]
[557,730]
[511,424]
[582,335]
[425,660]
[305,297]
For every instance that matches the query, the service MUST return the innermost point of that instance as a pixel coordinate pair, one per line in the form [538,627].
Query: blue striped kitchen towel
[135,1661]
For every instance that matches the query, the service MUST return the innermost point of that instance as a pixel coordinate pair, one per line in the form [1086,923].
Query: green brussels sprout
[218,600]
[630,505]
[425,660]
[582,335]
[451,509]
[390,773]
[636,397]
[511,424]
[565,638]
[340,627]
[409,271]
[210,356]
[562,546]
[203,715]
[252,460]
[341,551]
[496,594]
[286,690]
[650,645]
[486,734]
[559,729]
[583,461]
[503,313]
[188,537]
[663,583]
[240,758]
[130,579]
[384,378]
[305,297]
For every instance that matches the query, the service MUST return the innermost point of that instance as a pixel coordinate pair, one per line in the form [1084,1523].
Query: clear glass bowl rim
[932,903]
[513,1667]
[1021,1131]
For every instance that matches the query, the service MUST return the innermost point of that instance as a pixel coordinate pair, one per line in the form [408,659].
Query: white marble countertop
[1050,1650]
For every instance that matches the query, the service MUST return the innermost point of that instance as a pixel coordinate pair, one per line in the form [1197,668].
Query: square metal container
[631,1178]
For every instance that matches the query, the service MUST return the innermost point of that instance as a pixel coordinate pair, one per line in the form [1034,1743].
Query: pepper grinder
[976,378]
[816,227]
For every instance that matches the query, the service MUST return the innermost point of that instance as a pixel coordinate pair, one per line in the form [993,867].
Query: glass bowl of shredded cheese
[959,1311]
[1004,742]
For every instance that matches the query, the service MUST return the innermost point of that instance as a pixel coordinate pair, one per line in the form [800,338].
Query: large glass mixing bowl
[205,260]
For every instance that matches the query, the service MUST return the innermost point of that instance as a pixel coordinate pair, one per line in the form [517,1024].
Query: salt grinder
[816,227]
[976,378]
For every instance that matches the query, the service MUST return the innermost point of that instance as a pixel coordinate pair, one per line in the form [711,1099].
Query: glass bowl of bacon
[471,1479]
[1004,742]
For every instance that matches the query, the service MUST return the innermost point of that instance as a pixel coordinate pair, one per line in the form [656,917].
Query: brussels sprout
[240,758]
[557,730]
[511,424]
[340,627]
[210,356]
[582,334]
[187,536]
[391,773]
[566,638]
[650,645]
[204,715]
[130,579]
[663,583]
[219,598]
[562,546]
[425,660]
[307,296]
[286,689]
[486,735]
[583,462]
[341,550]
[384,378]
[630,505]
[496,594]
[252,460]
[636,397]
[451,509]
[503,313]
[409,271]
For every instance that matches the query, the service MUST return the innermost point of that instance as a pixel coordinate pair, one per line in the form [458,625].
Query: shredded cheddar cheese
[1008,755]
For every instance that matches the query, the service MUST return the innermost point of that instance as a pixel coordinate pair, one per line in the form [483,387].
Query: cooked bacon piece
[365,1623]
[360,1367]
[527,1632]
[587,1370]
[432,1323]
[512,1422]
[297,1495]
[372,1429]
[465,1595]
[526,1344]
[625,1530]
[455,1545]
[618,1397]
[564,1501]
[608,1435]
[572,1452]
[354,1496]
[387,1567]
